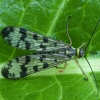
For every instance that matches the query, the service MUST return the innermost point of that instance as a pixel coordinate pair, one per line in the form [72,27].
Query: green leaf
[49,17]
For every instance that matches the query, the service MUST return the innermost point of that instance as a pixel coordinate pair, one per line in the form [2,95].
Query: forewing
[27,40]
[26,65]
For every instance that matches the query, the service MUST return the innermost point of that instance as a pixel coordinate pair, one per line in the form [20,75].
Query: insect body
[48,52]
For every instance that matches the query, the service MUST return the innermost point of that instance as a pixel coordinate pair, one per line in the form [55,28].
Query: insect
[48,52]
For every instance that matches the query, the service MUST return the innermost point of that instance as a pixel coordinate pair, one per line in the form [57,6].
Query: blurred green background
[49,17]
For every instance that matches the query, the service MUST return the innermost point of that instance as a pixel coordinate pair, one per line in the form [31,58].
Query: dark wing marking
[26,65]
[27,40]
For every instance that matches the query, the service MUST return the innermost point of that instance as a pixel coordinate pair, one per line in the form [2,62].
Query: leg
[86,78]
[83,44]
[65,65]
[67,31]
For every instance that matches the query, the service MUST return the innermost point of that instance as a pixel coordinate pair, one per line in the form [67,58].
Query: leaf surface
[49,17]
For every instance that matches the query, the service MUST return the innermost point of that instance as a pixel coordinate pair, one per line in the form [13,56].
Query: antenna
[86,49]
[92,34]
[92,72]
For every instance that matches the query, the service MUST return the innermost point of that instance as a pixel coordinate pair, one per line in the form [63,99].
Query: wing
[27,40]
[26,65]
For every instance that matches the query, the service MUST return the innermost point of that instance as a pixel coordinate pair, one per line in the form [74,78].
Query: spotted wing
[27,40]
[26,65]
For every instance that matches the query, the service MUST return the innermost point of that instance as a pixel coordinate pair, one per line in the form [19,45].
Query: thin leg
[83,44]
[86,78]
[65,65]
[67,31]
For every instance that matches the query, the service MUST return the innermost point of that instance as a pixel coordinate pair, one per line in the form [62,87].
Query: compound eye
[81,52]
